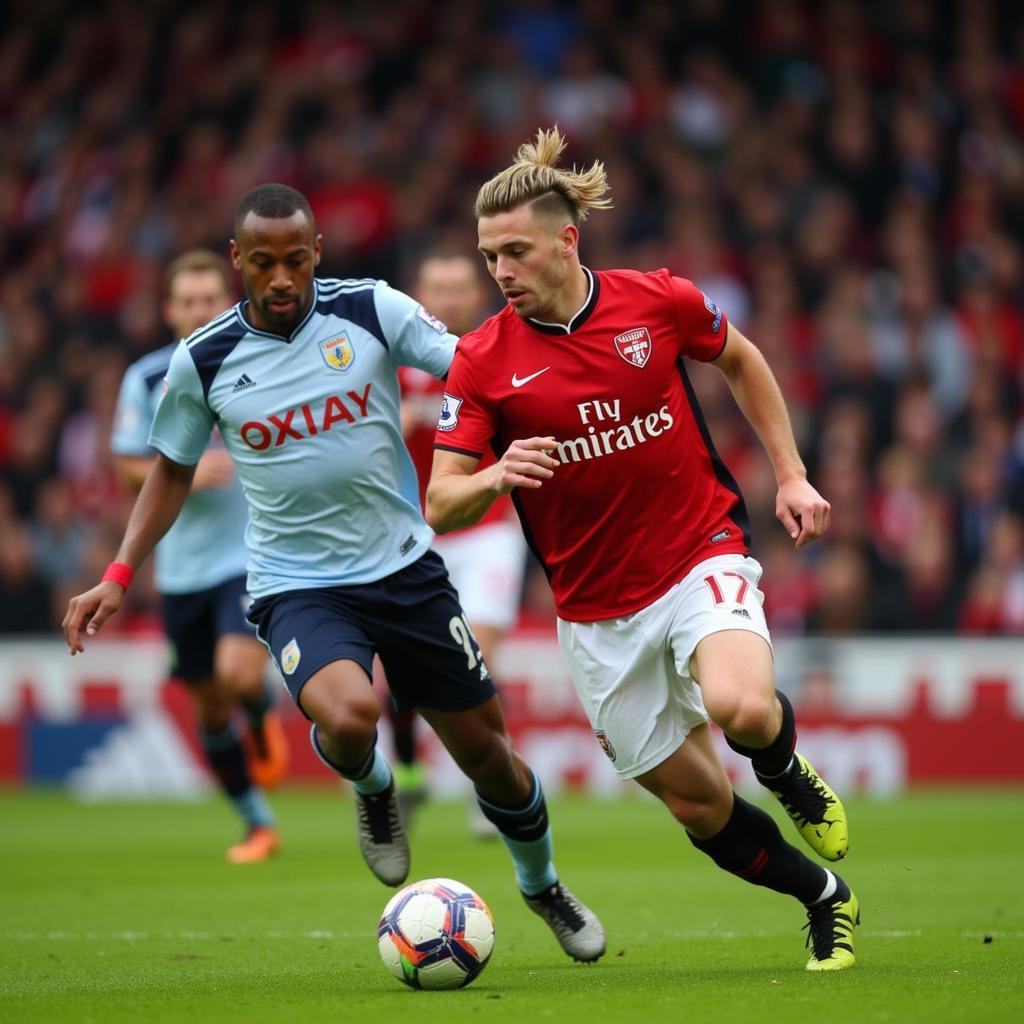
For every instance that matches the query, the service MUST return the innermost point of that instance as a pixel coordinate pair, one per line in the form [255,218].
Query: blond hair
[534,178]
[198,261]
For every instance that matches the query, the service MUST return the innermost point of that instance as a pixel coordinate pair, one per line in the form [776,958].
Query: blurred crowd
[845,178]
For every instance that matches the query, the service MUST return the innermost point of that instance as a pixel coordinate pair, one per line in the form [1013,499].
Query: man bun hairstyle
[272,200]
[536,179]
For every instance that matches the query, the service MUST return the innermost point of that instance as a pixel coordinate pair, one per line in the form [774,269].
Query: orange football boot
[267,752]
[261,843]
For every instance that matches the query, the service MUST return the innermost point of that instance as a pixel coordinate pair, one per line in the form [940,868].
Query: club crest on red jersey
[606,744]
[338,353]
[634,346]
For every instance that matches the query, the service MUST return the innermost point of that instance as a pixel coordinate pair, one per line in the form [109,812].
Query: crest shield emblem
[606,746]
[634,346]
[290,657]
[338,353]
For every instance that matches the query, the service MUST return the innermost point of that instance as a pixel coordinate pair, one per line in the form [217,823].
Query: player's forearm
[758,395]
[455,501]
[156,508]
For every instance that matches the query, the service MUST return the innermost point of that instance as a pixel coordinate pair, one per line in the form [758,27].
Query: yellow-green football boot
[830,932]
[815,809]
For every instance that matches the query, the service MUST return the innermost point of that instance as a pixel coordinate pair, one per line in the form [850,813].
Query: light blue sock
[254,809]
[527,834]
[535,869]
[374,774]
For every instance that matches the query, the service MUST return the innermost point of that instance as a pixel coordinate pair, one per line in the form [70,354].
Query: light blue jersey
[206,545]
[312,423]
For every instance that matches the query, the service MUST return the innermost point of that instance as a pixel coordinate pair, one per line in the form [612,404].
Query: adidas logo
[243,383]
[742,612]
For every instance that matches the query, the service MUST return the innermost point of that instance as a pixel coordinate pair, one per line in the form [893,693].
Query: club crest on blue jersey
[338,353]
[290,657]
[449,418]
[712,307]
[634,346]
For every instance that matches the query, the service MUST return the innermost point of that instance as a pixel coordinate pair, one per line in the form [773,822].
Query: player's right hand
[525,464]
[89,611]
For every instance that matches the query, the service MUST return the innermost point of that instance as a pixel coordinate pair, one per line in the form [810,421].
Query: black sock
[525,822]
[751,847]
[226,758]
[775,759]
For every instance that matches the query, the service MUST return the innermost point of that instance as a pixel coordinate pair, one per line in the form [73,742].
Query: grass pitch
[129,912]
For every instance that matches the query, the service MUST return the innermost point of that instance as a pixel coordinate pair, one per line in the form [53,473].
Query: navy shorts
[411,619]
[195,622]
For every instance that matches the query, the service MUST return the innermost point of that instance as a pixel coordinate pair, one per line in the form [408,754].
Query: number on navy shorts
[463,635]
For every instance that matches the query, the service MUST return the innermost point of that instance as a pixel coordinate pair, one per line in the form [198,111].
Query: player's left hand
[802,511]
[87,612]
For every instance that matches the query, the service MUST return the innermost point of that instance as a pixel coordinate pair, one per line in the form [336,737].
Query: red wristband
[118,572]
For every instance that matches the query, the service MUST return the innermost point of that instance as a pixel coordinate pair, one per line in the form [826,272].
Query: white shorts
[633,674]
[486,566]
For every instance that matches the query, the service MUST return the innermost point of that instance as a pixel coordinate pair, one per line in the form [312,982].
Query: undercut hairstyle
[198,261]
[275,201]
[536,179]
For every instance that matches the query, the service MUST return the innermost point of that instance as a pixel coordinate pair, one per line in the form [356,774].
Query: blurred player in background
[200,573]
[486,561]
[301,379]
[580,382]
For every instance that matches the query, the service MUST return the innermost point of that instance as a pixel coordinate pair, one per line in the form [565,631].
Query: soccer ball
[436,934]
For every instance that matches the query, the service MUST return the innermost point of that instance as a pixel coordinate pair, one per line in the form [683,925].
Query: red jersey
[640,496]
[421,399]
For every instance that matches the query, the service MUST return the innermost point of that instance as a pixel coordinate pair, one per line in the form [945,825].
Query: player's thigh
[429,653]
[480,745]
[239,659]
[736,676]
[339,697]
[306,631]
[693,784]
[719,637]
[624,675]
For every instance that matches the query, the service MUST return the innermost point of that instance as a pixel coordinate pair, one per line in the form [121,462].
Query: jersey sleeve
[133,417]
[467,421]
[183,419]
[415,337]
[702,325]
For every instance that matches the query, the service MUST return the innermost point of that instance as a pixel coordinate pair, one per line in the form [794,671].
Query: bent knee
[752,716]
[348,724]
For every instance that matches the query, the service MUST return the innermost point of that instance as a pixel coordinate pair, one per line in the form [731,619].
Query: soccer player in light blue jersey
[200,573]
[301,380]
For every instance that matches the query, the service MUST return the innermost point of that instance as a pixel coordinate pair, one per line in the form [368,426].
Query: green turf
[128,913]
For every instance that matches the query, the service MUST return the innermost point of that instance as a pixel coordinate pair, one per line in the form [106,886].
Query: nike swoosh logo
[518,382]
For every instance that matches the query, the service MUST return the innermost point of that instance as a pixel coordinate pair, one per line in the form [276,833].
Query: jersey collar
[580,317]
[287,338]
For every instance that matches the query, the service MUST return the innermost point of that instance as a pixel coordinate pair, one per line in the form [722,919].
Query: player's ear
[568,240]
[316,251]
[236,254]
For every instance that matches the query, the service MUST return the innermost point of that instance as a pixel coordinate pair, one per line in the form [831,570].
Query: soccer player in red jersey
[580,382]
